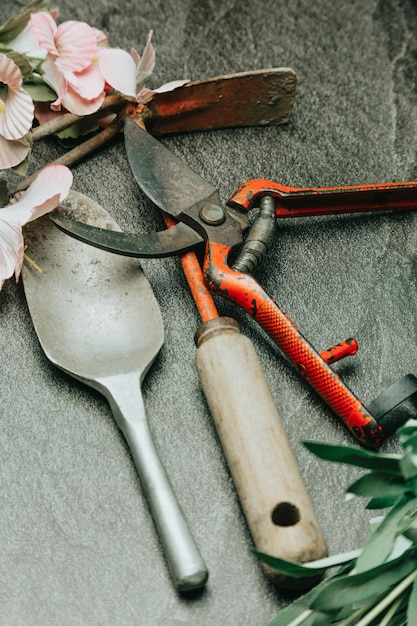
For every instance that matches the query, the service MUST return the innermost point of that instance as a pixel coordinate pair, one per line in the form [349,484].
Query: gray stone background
[77,542]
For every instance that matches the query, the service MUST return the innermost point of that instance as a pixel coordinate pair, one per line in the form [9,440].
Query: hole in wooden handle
[285,514]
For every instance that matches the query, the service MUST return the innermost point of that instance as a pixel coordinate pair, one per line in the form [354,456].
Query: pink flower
[26,42]
[136,69]
[71,66]
[50,187]
[16,115]
[81,68]
[118,70]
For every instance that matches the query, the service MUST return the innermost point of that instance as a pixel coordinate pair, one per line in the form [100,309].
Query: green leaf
[400,547]
[312,568]
[408,430]
[388,561]
[15,25]
[382,503]
[354,589]
[301,606]
[389,463]
[38,90]
[22,167]
[412,486]
[398,620]
[408,464]
[22,63]
[379,545]
[293,611]
[410,442]
[412,605]
[411,534]
[84,126]
[378,485]
[4,192]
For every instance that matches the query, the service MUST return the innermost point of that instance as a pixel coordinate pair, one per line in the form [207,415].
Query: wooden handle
[270,487]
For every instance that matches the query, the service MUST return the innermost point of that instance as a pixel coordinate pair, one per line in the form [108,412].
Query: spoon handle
[185,563]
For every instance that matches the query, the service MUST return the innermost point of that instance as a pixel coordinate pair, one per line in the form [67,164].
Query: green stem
[393,595]
[301,618]
[409,523]
[363,610]
[391,612]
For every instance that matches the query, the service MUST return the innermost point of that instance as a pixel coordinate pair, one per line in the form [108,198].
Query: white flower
[50,187]
[16,114]
[145,63]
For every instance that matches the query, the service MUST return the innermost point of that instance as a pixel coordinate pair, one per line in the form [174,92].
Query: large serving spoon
[97,319]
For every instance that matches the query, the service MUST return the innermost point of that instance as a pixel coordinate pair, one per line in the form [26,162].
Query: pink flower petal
[12,152]
[44,113]
[76,44]
[165,87]
[119,70]
[11,250]
[100,36]
[10,74]
[44,28]
[17,107]
[171,85]
[55,79]
[74,103]
[49,188]
[89,84]
[88,93]
[17,118]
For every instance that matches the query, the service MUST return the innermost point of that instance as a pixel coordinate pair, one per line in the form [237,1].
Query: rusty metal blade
[258,98]
[169,182]
[168,242]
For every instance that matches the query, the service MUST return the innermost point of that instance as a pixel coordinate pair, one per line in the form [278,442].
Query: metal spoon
[97,319]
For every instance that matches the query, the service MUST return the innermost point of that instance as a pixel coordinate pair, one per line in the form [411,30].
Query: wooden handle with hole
[270,487]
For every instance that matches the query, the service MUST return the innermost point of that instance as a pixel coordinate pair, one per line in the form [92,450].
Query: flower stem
[54,126]
[62,122]
[81,151]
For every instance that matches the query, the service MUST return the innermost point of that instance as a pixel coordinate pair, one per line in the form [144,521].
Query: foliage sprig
[376,584]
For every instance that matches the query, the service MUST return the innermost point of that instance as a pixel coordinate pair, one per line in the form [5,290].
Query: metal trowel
[97,319]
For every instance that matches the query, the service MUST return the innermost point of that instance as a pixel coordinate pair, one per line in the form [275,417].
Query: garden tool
[203,223]
[97,319]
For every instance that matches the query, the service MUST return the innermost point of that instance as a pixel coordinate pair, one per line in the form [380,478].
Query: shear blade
[164,243]
[169,182]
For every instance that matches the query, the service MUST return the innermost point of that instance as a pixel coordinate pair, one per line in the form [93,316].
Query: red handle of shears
[309,201]
[244,291]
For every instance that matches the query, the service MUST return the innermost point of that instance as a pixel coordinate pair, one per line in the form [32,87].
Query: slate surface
[77,543]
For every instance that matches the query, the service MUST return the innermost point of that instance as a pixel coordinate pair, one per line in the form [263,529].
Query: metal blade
[168,242]
[169,182]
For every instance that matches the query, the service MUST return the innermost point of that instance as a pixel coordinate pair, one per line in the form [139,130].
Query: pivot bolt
[213,214]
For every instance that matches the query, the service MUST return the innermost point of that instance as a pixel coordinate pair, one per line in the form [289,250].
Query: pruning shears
[203,222]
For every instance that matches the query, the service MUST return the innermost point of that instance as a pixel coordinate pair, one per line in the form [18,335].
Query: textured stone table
[77,543]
